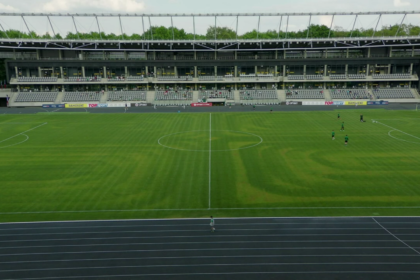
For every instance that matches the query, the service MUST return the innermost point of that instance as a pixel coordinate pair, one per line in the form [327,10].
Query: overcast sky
[64,25]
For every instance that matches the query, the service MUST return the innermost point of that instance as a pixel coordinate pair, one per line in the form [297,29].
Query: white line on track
[210,265]
[210,164]
[119,276]
[209,257]
[396,236]
[23,132]
[214,209]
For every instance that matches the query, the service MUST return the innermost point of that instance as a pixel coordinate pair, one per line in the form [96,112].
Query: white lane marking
[120,276]
[206,209]
[210,164]
[396,237]
[389,133]
[23,132]
[194,250]
[209,257]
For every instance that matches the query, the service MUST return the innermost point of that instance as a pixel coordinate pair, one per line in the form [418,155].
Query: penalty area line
[375,121]
[23,132]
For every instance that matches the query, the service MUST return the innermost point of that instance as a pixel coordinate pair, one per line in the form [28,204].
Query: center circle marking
[189,150]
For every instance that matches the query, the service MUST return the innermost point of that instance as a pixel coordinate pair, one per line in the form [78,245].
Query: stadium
[117,147]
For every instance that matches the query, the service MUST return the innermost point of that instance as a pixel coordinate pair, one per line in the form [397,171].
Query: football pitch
[73,166]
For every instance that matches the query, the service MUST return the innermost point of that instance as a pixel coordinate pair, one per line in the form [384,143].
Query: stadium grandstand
[319,63]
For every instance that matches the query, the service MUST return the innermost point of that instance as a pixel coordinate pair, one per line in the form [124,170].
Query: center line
[210,164]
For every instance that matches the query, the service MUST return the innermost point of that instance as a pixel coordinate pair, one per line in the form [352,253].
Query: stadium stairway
[59,98]
[236,97]
[415,93]
[281,95]
[104,97]
[327,95]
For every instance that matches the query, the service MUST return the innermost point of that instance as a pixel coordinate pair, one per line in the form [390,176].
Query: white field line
[206,209]
[397,130]
[395,236]
[210,164]
[390,135]
[23,132]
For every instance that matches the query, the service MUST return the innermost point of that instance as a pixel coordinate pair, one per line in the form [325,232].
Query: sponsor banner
[120,105]
[138,104]
[76,105]
[201,104]
[338,103]
[329,103]
[102,105]
[93,105]
[293,103]
[377,103]
[53,106]
[355,103]
[313,103]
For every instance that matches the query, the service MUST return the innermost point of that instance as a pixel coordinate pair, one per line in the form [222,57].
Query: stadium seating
[296,77]
[116,79]
[393,93]
[314,77]
[265,76]
[173,95]
[174,78]
[217,94]
[392,76]
[249,76]
[305,94]
[349,94]
[83,79]
[127,96]
[338,77]
[357,76]
[82,96]
[258,94]
[36,96]
[135,78]
[37,79]
[206,78]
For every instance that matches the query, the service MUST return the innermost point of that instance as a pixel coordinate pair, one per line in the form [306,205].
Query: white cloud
[7,8]
[126,6]
[400,3]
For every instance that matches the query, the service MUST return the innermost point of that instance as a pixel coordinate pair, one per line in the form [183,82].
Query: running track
[254,248]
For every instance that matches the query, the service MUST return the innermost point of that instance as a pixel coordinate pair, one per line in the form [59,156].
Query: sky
[135,25]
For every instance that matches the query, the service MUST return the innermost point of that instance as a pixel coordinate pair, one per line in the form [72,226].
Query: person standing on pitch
[361,118]
[338,116]
[212,224]
[342,126]
[346,140]
[333,135]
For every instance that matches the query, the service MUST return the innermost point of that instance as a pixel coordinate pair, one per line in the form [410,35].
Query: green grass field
[111,166]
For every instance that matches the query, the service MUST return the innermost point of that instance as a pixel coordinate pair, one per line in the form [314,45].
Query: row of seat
[393,93]
[314,77]
[258,94]
[392,76]
[349,94]
[217,94]
[135,78]
[357,76]
[305,94]
[36,97]
[82,96]
[37,79]
[296,77]
[83,79]
[173,95]
[175,78]
[127,96]
[338,77]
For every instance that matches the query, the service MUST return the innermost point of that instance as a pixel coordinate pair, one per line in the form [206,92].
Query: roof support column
[258,30]
[122,32]
[4,31]
[287,26]
[215,28]
[75,26]
[376,25]
[309,26]
[99,29]
[332,21]
[354,24]
[399,27]
[194,26]
[237,22]
[172,24]
[150,24]
[281,19]
[30,34]
[51,26]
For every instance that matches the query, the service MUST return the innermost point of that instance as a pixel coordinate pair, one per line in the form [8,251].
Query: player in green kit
[338,116]
[346,140]
[333,135]
[342,126]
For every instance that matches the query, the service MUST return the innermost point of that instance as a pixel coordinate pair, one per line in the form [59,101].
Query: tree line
[225,33]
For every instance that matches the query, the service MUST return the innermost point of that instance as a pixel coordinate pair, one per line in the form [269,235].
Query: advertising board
[53,106]
[102,105]
[138,104]
[313,103]
[377,103]
[76,105]
[293,103]
[354,103]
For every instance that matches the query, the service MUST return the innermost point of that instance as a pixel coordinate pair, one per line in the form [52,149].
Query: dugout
[3,102]
[217,101]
